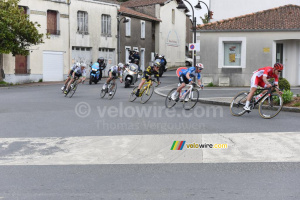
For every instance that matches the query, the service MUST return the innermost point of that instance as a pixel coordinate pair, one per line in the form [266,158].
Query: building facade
[232,49]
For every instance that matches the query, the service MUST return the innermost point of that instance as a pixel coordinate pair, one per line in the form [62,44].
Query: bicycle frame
[148,84]
[269,92]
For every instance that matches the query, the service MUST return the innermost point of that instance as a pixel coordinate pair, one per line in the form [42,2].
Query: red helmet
[278,66]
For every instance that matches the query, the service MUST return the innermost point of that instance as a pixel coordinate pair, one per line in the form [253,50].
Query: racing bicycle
[71,91]
[145,92]
[111,87]
[270,103]
[189,98]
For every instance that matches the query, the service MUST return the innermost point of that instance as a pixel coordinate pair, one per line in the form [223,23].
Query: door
[109,58]
[53,66]
[279,54]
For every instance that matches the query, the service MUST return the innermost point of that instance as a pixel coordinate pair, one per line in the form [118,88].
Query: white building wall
[224,9]
[172,36]
[93,40]
[38,13]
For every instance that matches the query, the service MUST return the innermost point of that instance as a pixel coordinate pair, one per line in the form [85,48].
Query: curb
[222,103]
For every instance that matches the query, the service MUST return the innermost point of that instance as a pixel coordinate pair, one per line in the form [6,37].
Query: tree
[17,32]
[205,20]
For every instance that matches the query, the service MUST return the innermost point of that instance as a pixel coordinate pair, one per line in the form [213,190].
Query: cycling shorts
[257,81]
[113,74]
[71,73]
[183,79]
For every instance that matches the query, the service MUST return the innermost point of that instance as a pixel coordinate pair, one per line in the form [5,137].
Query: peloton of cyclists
[186,77]
[260,78]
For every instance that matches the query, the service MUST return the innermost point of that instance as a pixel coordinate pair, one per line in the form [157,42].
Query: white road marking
[150,149]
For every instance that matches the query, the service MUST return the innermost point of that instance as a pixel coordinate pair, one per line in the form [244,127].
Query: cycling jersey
[150,71]
[79,72]
[257,77]
[191,71]
[115,70]
[72,70]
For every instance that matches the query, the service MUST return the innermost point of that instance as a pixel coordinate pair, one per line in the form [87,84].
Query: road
[85,147]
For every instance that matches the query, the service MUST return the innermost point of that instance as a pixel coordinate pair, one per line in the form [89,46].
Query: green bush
[287,96]
[284,84]
[41,80]
[210,85]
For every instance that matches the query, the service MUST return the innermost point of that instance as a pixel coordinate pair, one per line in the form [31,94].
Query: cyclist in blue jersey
[186,78]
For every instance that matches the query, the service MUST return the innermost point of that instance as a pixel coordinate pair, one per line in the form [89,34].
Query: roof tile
[281,18]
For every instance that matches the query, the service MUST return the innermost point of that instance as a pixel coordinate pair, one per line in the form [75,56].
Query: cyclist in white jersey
[113,74]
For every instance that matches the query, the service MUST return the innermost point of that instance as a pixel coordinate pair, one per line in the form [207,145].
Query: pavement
[223,101]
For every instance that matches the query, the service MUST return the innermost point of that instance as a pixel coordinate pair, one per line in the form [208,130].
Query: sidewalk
[223,101]
[33,84]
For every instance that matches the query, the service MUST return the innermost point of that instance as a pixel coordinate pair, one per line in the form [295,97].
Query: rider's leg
[140,86]
[70,82]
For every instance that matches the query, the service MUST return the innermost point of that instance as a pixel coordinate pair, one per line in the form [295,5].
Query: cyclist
[79,72]
[259,78]
[186,78]
[151,70]
[112,75]
[77,64]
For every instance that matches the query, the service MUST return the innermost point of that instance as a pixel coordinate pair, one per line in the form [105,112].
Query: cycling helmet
[83,65]
[278,66]
[157,64]
[121,65]
[101,59]
[77,64]
[200,66]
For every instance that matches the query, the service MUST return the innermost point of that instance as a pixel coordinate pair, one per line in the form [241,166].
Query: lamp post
[118,32]
[198,6]
[183,7]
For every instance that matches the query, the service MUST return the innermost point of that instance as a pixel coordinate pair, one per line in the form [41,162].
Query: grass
[210,85]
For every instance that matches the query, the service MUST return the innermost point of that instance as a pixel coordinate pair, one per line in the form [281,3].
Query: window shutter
[128,27]
[109,25]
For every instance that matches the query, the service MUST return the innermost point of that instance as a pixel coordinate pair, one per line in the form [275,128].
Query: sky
[198,13]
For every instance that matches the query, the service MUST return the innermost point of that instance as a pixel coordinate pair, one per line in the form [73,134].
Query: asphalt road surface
[84,147]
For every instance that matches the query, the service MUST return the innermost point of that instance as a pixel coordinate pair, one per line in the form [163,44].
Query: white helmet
[121,65]
[83,65]
[200,66]
[77,64]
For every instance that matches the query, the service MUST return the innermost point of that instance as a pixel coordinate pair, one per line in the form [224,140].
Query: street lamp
[183,7]
[198,6]
[124,21]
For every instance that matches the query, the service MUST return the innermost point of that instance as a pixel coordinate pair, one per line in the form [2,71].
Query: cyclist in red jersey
[260,78]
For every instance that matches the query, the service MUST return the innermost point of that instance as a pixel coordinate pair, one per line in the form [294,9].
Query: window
[232,52]
[173,16]
[106,25]
[128,27]
[52,25]
[82,23]
[142,29]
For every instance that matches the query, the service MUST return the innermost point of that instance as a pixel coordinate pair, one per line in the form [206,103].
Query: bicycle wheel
[237,104]
[113,90]
[147,94]
[190,99]
[132,96]
[270,106]
[73,90]
[102,92]
[169,102]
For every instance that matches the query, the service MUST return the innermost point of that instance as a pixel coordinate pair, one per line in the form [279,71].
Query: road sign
[194,47]
[179,70]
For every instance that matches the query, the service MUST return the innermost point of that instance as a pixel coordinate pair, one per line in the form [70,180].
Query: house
[227,9]
[170,33]
[93,32]
[233,48]
[46,61]
[79,30]
[137,35]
